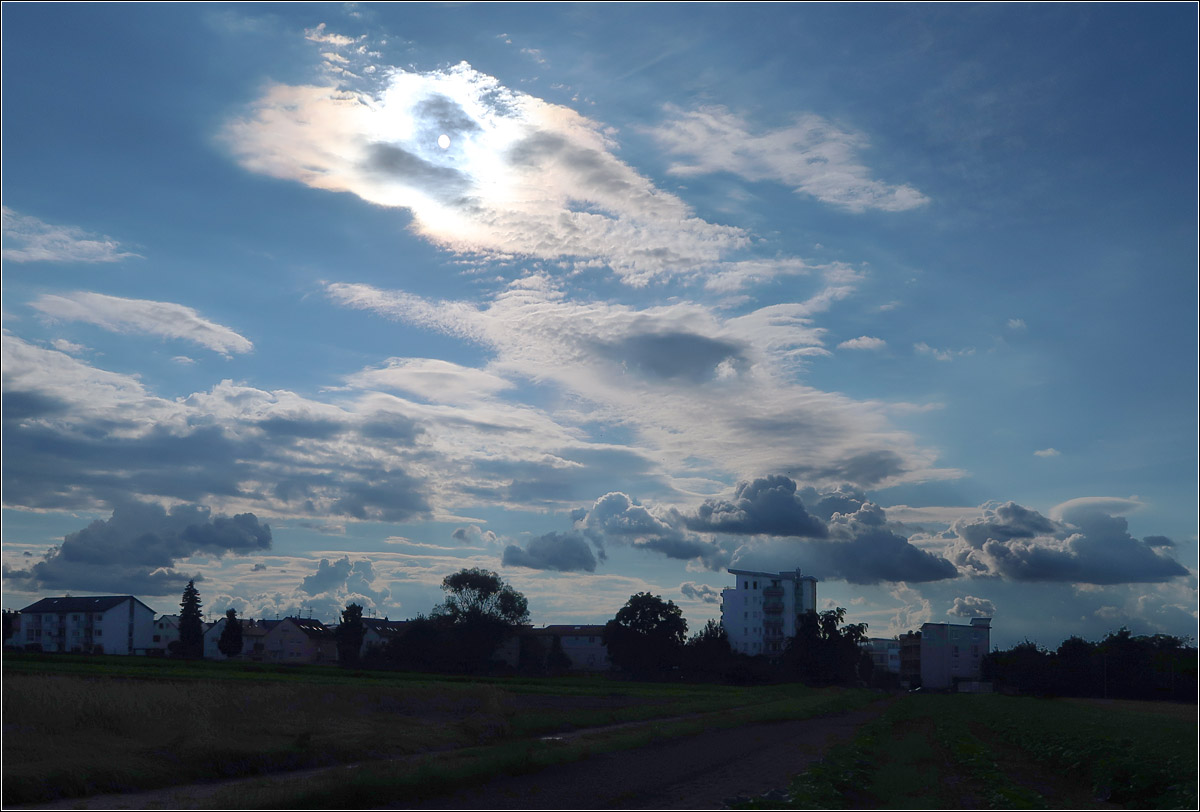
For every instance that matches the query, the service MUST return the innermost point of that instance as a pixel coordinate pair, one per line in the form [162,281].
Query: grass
[84,725]
[990,751]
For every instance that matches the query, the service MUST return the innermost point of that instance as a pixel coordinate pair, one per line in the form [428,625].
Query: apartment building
[953,653]
[103,624]
[759,611]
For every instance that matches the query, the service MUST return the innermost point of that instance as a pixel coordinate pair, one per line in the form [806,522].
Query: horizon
[318,303]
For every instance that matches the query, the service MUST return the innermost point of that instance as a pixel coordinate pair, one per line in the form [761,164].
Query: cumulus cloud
[343,578]
[1086,545]
[970,606]
[137,549]
[163,319]
[768,506]
[520,177]
[474,535]
[863,343]
[700,592]
[28,239]
[812,155]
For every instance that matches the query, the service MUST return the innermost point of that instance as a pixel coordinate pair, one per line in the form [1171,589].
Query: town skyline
[319,303]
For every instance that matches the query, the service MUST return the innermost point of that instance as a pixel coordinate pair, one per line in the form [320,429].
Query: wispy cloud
[163,319]
[813,155]
[28,239]
[942,355]
[1047,452]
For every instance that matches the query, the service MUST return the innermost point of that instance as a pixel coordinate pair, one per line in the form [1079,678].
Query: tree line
[1121,666]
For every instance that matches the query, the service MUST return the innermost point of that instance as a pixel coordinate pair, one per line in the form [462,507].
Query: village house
[297,640]
[107,624]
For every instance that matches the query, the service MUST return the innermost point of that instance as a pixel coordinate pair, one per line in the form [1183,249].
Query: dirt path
[697,772]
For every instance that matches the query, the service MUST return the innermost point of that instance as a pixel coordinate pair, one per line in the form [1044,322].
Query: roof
[385,627]
[98,603]
[312,628]
[786,576]
[564,630]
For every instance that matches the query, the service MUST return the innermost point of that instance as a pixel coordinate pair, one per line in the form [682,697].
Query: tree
[191,623]
[480,611]
[349,635]
[230,642]
[10,624]
[647,635]
[826,650]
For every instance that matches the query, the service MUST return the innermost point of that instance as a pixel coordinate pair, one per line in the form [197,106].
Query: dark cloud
[1020,544]
[444,115]
[343,577]
[135,551]
[845,499]
[442,181]
[766,506]
[685,548]
[19,406]
[301,428]
[700,592]
[866,470]
[392,496]
[398,428]
[674,356]
[563,552]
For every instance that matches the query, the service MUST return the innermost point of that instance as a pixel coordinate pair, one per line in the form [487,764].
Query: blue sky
[320,303]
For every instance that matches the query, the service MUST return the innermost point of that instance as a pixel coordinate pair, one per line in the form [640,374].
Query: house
[583,645]
[952,654]
[252,637]
[760,610]
[107,624]
[299,640]
[378,633]
[166,632]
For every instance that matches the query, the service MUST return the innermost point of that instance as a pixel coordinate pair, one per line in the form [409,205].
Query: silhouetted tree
[479,612]
[191,623]
[349,635]
[826,650]
[647,636]
[708,655]
[230,642]
[10,624]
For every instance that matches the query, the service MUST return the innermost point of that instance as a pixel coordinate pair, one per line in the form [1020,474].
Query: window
[158,638]
[956,651]
[756,584]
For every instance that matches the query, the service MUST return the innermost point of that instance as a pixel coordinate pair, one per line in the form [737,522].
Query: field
[75,726]
[988,751]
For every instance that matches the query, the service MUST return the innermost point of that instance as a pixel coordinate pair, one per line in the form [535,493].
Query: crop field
[76,726]
[999,752]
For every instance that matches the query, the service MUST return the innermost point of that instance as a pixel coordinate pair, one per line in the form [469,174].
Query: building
[952,653]
[910,659]
[166,632]
[299,640]
[885,654]
[583,645]
[378,633]
[108,624]
[252,640]
[759,611]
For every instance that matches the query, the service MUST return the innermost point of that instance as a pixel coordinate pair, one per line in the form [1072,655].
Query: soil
[698,772]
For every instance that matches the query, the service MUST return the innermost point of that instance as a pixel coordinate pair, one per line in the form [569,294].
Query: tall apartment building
[759,611]
[953,653]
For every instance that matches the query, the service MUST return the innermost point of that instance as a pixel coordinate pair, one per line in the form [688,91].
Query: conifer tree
[191,623]
[230,643]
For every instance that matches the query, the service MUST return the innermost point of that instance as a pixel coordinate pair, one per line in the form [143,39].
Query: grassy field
[76,726]
[989,751]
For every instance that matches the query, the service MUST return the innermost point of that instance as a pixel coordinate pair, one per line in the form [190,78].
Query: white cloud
[1047,452]
[812,155]
[28,239]
[522,177]
[942,355]
[163,319]
[431,379]
[863,343]
[1016,324]
[62,345]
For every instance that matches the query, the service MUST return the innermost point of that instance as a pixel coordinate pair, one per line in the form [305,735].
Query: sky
[318,304]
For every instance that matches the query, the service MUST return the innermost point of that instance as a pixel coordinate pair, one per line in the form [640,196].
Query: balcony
[773,607]
[773,592]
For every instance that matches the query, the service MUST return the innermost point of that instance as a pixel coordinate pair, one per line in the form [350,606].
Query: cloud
[137,549]
[1016,324]
[863,343]
[814,156]
[562,552]
[700,592]
[970,606]
[1087,545]
[767,506]
[1047,452]
[342,578]
[521,178]
[163,319]
[28,239]
[430,378]
[942,355]
[474,535]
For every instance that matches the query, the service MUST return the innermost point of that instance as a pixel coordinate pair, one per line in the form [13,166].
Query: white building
[951,653]
[166,632]
[885,654]
[759,611]
[583,645]
[107,624]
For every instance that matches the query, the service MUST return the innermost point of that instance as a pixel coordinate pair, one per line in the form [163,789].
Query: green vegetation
[84,725]
[990,751]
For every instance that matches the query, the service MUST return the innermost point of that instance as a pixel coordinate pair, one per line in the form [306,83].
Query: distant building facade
[759,611]
[583,645]
[885,654]
[953,653]
[105,624]
[298,640]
